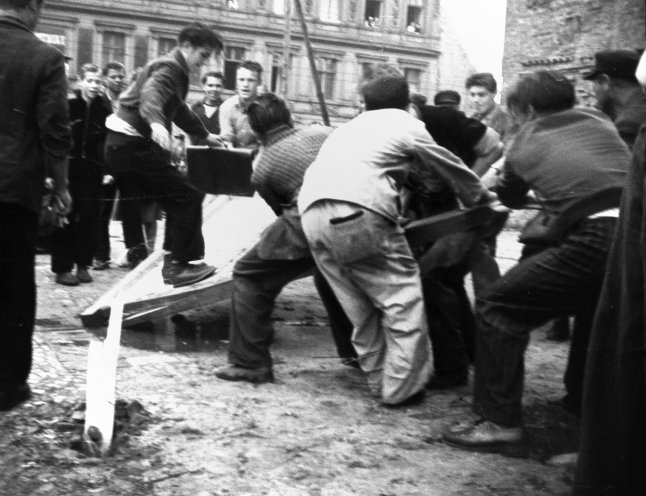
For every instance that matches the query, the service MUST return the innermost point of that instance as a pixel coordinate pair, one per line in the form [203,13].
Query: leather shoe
[136,255]
[185,274]
[83,275]
[485,436]
[13,397]
[101,265]
[237,373]
[448,381]
[67,279]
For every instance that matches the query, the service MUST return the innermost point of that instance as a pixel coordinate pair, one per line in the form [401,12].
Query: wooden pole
[287,38]
[310,56]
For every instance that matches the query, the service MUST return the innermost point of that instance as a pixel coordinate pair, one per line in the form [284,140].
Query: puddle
[176,334]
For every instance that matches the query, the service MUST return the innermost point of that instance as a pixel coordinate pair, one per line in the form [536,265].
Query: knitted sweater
[282,160]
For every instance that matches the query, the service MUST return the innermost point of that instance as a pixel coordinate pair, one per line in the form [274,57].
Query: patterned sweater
[282,160]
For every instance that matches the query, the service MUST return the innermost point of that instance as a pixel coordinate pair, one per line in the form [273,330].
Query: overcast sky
[480,26]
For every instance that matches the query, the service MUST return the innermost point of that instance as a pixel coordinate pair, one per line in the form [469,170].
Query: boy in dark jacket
[75,242]
[139,148]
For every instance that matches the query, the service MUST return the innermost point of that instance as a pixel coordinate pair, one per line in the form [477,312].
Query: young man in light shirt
[349,204]
[235,130]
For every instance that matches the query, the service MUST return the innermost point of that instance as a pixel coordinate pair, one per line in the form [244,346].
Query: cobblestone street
[316,431]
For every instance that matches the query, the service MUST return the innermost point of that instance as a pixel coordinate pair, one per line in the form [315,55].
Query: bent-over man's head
[540,93]
[386,88]
[268,112]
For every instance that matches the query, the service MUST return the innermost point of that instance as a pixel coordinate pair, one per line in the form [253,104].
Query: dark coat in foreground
[612,457]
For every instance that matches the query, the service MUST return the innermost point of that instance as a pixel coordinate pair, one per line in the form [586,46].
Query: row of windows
[332,11]
[114,48]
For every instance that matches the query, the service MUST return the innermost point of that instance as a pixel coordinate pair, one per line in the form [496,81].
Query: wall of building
[564,35]
[134,32]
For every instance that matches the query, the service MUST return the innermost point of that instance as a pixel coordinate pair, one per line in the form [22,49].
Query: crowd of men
[342,198]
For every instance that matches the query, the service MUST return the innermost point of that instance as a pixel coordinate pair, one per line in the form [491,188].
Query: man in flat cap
[618,92]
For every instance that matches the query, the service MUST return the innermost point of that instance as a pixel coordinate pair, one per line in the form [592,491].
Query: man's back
[34,129]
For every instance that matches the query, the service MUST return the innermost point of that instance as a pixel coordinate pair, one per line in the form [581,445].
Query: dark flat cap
[620,64]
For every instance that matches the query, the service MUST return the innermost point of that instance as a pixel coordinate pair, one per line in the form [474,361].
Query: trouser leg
[553,283]
[340,325]
[256,284]
[17,293]
[443,315]
[369,266]
[142,168]
[107,195]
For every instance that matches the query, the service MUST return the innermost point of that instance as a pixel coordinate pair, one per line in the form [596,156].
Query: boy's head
[197,43]
[482,88]
[212,85]
[91,83]
[248,77]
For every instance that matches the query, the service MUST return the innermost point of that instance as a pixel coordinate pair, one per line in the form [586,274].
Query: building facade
[346,36]
[564,35]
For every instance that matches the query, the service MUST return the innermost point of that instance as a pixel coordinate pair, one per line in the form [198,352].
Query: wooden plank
[101,384]
[423,231]
[97,314]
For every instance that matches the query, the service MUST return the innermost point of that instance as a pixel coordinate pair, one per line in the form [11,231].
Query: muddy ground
[317,431]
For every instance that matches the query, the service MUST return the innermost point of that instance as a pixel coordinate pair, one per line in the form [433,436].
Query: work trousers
[142,171]
[450,318]
[18,228]
[75,242]
[367,261]
[559,281]
[258,278]
[107,196]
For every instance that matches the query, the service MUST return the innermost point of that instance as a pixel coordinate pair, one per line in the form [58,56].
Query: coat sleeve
[52,114]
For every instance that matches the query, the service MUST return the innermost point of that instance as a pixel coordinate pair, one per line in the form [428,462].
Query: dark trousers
[257,282]
[559,281]
[451,323]
[142,170]
[18,227]
[75,242]
[107,195]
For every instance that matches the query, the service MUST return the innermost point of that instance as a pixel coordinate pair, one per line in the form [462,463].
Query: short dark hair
[253,66]
[484,79]
[447,97]
[89,67]
[385,88]
[199,35]
[545,91]
[267,112]
[113,65]
[215,74]
[17,4]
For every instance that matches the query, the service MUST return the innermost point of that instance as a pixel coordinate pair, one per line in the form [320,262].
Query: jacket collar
[177,55]
[14,22]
